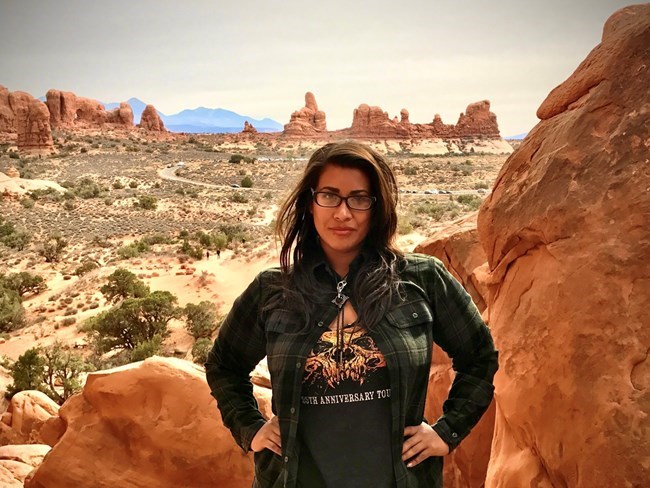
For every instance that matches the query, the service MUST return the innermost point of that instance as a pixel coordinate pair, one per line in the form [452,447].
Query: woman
[347,324]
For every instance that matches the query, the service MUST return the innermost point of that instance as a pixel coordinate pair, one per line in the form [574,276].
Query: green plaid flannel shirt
[436,309]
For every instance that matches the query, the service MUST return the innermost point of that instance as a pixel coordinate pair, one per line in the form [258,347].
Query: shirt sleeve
[239,346]
[460,331]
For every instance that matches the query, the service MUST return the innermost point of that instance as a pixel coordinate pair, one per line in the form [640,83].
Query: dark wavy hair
[377,283]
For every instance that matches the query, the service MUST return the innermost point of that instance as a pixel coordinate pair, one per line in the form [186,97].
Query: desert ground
[196,184]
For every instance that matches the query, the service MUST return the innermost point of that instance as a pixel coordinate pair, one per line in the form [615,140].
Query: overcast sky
[258,58]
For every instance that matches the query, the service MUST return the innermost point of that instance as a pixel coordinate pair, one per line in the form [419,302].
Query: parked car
[234,185]
[445,192]
[431,192]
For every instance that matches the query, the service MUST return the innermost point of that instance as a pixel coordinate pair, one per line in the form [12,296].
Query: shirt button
[320,324]
[293,410]
[453,434]
[298,364]
[286,459]
[415,315]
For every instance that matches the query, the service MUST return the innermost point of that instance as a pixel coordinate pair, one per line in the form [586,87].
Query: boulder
[308,121]
[151,121]
[152,423]
[18,461]
[567,237]
[7,123]
[25,416]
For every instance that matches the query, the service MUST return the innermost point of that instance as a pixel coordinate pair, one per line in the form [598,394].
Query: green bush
[201,319]
[410,170]
[53,247]
[238,197]
[246,182]
[86,267]
[146,202]
[195,252]
[27,203]
[86,188]
[473,202]
[118,185]
[123,284]
[200,350]
[23,283]
[12,314]
[133,250]
[133,184]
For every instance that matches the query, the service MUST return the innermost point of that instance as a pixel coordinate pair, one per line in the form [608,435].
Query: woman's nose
[342,212]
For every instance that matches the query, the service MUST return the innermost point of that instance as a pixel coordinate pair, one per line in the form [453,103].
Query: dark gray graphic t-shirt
[345,417]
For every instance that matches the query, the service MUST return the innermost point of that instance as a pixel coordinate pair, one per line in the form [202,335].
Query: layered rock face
[308,121]
[372,122]
[68,111]
[145,424]
[567,237]
[150,120]
[27,118]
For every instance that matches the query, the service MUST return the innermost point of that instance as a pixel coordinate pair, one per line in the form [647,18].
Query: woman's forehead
[343,178]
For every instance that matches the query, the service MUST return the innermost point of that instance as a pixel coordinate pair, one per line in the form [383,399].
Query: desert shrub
[236,158]
[146,202]
[188,249]
[180,191]
[133,250]
[233,232]
[27,372]
[86,188]
[55,371]
[68,321]
[200,319]
[133,322]
[133,184]
[410,170]
[200,350]
[148,348]
[238,197]
[12,313]
[267,195]
[464,168]
[118,185]
[86,267]
[404,226]
[156,239]
[183,234]
[27,203]
[69,205]
[23,283]
[471,201]
[12,237]
[14,155]
[123,284]
[481,185]
[246,182]
[53,247]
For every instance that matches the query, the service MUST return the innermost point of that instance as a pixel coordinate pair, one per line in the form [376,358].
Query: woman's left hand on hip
[421,442]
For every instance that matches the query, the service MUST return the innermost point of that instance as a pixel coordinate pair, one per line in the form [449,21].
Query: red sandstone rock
[146,424]
[151,121]
[7,116]
[18,461]
[249,128]
[308,121]
[67,110]
[458,247]
[372,122]
[27,412]
[567,236]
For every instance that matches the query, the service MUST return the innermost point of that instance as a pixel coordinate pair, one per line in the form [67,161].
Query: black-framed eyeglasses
[354,202]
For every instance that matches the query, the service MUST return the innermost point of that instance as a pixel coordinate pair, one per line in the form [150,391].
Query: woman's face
[341,229]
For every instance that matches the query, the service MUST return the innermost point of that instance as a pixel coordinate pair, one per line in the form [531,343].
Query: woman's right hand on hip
[268,437]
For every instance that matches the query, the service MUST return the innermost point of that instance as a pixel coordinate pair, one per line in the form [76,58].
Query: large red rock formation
[26,119]
[308,121]
[567,236]
[70,111]
[372,122]
[151,121]
[7,124]
[458,247]
[145,424]
[25,416]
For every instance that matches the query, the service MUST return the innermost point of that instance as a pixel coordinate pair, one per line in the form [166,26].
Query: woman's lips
[342,231]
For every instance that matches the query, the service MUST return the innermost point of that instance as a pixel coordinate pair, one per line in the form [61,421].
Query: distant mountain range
[202,120]
[518,137]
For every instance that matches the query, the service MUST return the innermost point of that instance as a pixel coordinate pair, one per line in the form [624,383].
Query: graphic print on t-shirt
[328,365]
